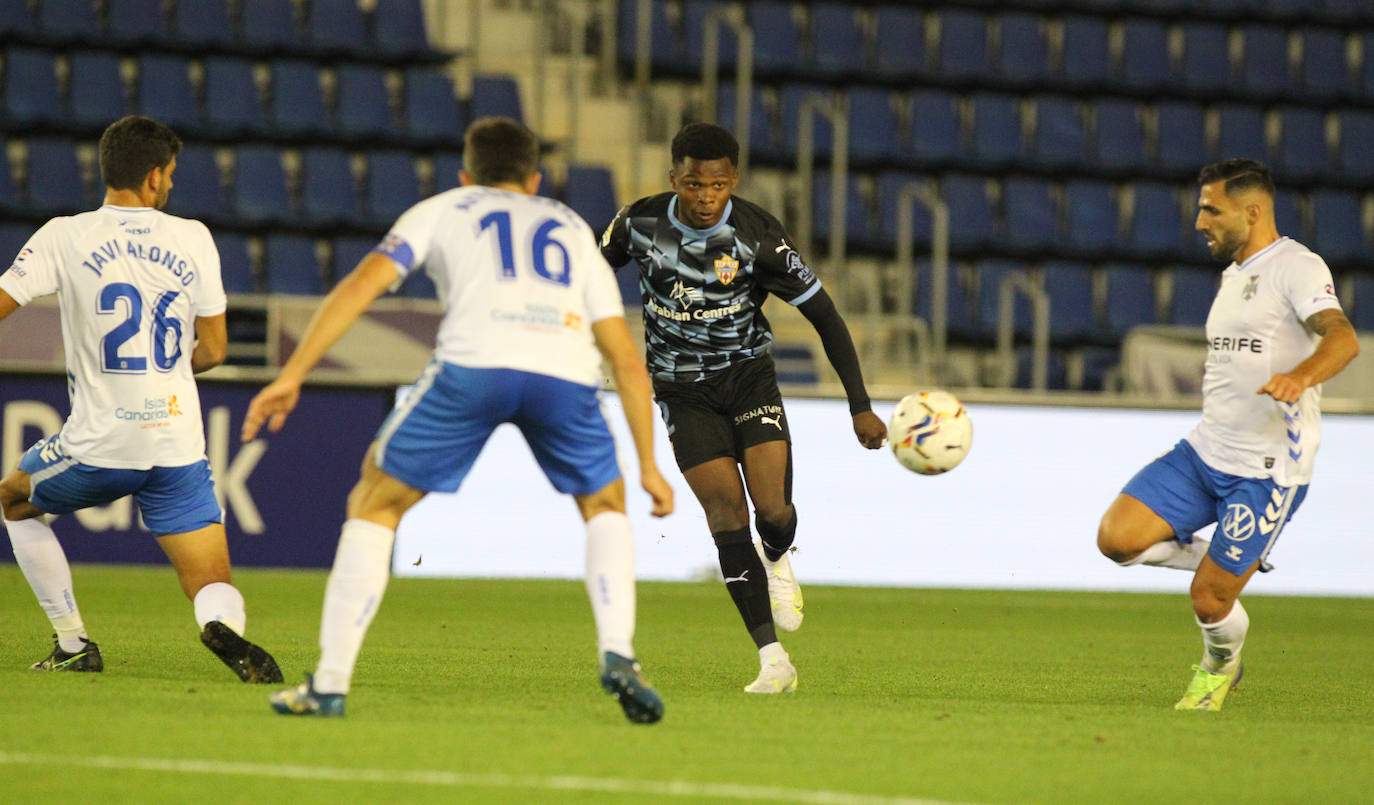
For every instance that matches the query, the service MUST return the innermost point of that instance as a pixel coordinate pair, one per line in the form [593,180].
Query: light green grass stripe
[676,788]
[463,780]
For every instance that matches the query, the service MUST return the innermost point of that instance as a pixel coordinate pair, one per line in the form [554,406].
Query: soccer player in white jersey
[1274,334]
[142,310]
[530,309]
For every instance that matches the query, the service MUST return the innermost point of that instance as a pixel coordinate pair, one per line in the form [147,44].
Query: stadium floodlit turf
[486,691]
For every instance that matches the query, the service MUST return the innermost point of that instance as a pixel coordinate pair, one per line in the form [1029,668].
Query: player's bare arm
[1337,348]
[212,342]
[616,344]
[839,349]
[354,293]
[7,305]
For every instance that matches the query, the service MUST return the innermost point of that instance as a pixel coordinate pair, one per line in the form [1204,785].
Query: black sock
[776,540]
[746,582]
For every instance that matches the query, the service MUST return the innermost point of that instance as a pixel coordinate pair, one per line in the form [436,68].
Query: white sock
[1221,641]
[362,567]
[1172,553]
[770,652]
[221,601]
[44,563]
[611,582]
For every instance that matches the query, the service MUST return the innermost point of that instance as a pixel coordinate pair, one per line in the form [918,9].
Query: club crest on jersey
[726,269]
[1251,288]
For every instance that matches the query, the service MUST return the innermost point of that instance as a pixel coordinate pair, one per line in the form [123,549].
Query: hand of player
[271,405]
[1284,388]
[870,429]
[659,490]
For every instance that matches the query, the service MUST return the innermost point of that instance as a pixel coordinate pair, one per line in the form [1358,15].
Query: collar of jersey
[1262,252]
[699,233]
[126,209]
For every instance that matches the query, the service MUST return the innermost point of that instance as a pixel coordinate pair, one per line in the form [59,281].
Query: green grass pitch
[486,691]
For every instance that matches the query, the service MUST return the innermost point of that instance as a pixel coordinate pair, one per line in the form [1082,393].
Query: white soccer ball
[930,432]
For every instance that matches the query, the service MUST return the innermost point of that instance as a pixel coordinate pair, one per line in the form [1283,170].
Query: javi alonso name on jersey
[152,254]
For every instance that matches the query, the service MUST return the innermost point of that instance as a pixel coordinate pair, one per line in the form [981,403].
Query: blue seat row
[229,103]
[394,31]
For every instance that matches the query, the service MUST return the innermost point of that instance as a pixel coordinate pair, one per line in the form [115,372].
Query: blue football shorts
[431,439]
[1249,512]
[172,500]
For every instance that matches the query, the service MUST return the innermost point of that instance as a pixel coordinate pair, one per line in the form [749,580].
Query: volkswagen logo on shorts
[1239,523]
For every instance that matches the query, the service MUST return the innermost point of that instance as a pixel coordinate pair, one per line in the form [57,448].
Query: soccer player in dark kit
[707,262]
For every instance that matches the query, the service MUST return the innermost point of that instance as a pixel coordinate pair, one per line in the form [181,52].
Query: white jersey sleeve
[210,298]
[409,241]
[1307,284]
[34,272]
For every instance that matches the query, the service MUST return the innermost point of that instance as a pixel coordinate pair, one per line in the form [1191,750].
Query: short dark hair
[131,147]
[705,141]
[1239,175]
[499,150]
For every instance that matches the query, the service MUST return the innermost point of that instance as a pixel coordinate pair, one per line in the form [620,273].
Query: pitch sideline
[676,788]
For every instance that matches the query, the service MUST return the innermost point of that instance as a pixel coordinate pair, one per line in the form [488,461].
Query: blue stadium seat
[398,29]
[1325,72]
[1029,209]
[9,199]
[899,41]
[231,97]
[777,37]
[204,23]
[16,20]
[446,167]
[1022,48]
[12,239]
[269,26]
[1338,225]
[1156,222]
[1288,216]
[392,187]
[197,192]
[235,265]
[996,128]
[963,52]
[165,93]
[935,128]
[95,90]
[694,14]
[1059,138]
[665,48]
[337,27]
[297,100]
[959,317]
[1091,221]
[1084,56]
[1181,144]
[990,274]
[291,265]
[1120,140]
[329,192]
[1145,54]
[55,185]
[347,252]
[1241,132]
[418,286]
[793,96]
[1346,11]
[762,141]
[1130,299]
[1302,151]
[31,96]
[590,191]
[1206,56]
[1057,370]
[432,111]
[836,39]
[890,186]
[364,105]
[70,22]
[1362,306]
[1073,313]
[1194,291]
[971,221]
[1264,60]
[873,125]
[140,23]
[1357,144]
[496,95]
[260,194]
[856,219]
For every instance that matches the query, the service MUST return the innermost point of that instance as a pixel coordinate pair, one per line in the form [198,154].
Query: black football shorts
[723,414]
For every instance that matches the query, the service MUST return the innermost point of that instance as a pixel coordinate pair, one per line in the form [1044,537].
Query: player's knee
[1113,540]
[1209,604]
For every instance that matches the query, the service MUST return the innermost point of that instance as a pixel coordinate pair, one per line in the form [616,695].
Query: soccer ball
[930,432]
